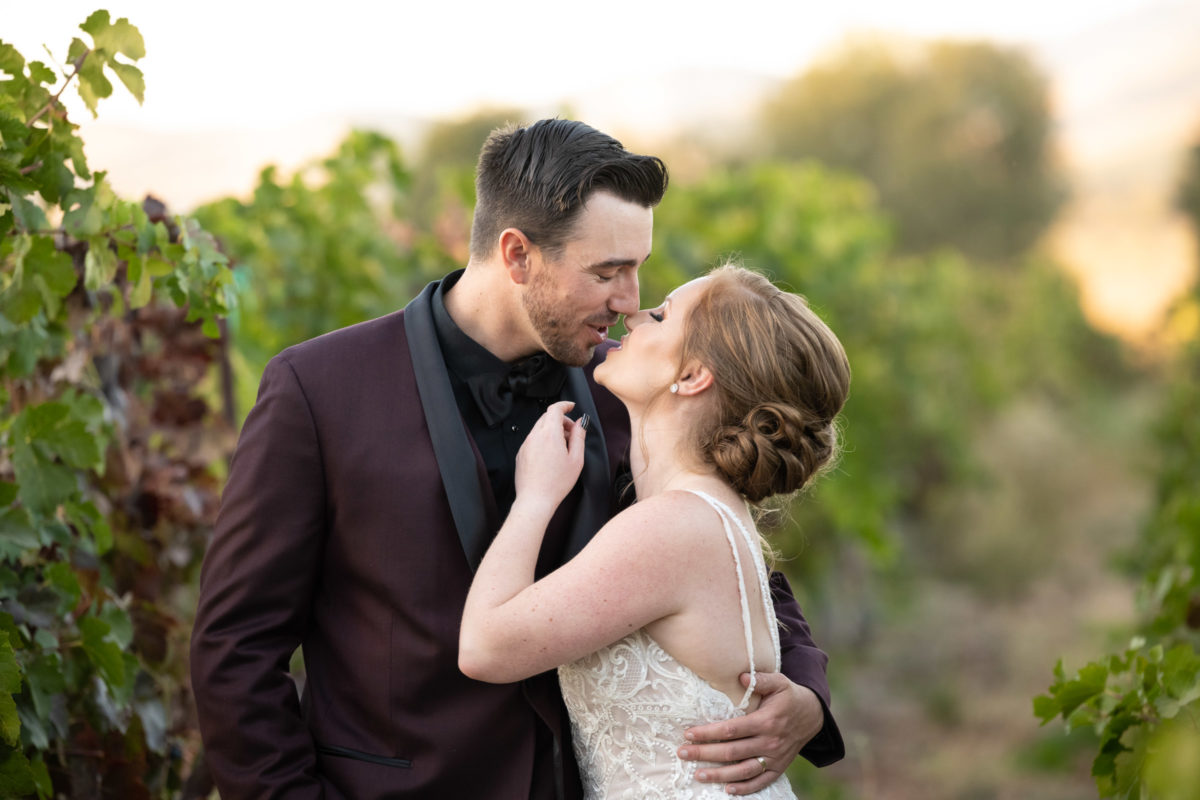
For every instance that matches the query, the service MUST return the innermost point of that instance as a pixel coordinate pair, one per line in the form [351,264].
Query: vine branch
[53,100]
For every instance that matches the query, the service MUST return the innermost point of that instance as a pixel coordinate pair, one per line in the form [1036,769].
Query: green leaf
[74,444]
[85,407]
[120,625]
[52,264]
[85,216]
[45,675]
[62,577]
[33,729]
[1127,772]
[17,533]
[97,23]
[40,73]
[100,265]
[159,268]
[102,534]
[77,49]
[8,493]
[28,215]
[1046,708]
[11,177]
[41,777]
[16,775]
[10,671]
[10,720]
[1088,683]
[10,684]
[35,421]
[104,653]
[43,485]
[92,84]
[131,76]
[139,276]
[11,60]
[118,37]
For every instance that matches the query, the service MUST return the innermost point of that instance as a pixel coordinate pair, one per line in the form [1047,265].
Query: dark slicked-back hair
[537,179]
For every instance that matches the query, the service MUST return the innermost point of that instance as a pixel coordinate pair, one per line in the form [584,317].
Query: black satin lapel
[594,504]
[455,456]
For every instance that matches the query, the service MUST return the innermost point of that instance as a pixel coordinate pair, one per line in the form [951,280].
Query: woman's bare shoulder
[670,519]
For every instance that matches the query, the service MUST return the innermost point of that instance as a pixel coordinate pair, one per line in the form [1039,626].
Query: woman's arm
[625,578]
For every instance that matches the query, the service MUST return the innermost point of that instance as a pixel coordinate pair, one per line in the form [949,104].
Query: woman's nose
[633,320]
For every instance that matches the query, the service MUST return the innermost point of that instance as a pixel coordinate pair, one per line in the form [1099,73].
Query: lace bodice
[631,701]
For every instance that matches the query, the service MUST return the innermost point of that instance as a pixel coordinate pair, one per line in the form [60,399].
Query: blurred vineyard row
[1010,473]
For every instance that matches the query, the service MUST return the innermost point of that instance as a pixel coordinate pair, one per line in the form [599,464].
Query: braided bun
[773,450]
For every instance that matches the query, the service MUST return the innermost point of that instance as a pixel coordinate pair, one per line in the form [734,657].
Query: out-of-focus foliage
[936,346]
[107,445]
[443,191]
[328,247]
[455,143]
[956,136]
[1144,702]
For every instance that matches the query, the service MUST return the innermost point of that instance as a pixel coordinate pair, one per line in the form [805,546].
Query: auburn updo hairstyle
[780,378]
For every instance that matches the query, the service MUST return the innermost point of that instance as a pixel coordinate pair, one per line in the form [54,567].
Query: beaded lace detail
[631,701]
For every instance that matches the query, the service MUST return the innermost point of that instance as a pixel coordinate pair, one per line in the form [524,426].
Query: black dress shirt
[498,438]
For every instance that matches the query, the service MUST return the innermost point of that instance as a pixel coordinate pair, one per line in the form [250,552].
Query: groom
[370,477]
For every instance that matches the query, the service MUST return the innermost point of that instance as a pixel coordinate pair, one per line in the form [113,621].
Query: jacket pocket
[358,755]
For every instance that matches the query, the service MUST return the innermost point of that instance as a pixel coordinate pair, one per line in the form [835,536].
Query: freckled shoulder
[671,524]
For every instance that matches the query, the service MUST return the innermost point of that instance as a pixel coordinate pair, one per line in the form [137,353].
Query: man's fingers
[744,777]
[724,731]
[730,752]
[766,682]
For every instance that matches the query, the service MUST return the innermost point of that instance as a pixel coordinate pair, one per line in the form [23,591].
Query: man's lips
[600,331]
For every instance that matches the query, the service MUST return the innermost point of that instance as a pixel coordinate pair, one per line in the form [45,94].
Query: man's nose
[625,295]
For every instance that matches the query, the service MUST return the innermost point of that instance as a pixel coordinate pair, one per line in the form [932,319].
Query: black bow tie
[536,376]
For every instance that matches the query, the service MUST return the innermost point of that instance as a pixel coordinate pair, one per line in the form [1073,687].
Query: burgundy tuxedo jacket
[356,510]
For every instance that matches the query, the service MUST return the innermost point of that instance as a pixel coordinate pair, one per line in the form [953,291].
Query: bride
[732,387]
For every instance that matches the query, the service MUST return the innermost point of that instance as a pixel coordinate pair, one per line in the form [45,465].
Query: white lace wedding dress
[630,703]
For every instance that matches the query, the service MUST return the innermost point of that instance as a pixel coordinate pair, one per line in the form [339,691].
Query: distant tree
[955,137]
[455,142]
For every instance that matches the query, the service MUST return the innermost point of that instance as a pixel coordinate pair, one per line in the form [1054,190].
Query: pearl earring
[674,388]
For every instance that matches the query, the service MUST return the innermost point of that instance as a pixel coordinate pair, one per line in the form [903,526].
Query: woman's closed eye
[657,316]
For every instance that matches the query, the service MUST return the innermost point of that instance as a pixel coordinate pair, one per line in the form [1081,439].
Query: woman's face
[647,362]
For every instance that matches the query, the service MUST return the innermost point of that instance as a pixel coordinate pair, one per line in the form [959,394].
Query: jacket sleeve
[804,664]
[256,588]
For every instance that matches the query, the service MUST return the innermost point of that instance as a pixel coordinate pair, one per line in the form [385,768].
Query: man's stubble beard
[559,334]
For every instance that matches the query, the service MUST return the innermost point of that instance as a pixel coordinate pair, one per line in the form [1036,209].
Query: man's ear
[694,379]
[515,249]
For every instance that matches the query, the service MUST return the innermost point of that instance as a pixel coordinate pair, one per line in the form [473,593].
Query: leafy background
[1017,485]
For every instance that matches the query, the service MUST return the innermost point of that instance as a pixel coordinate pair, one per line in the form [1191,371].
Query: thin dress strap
[725,513]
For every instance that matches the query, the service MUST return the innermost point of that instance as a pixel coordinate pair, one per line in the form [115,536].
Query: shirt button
[514,429]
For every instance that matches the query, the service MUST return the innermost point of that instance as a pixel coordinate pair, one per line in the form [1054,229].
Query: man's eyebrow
[611,263]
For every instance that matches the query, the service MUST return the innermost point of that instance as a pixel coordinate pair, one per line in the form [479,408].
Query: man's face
[572,300]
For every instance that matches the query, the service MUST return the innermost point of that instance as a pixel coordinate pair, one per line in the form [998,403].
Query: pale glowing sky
[223,64]
[231,86]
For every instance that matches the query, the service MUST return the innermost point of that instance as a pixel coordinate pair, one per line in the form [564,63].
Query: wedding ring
[762,762]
